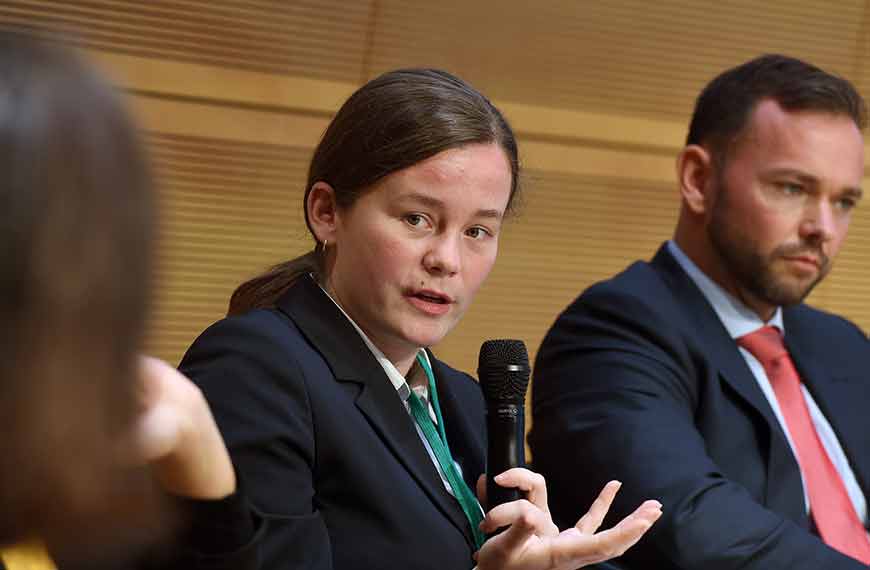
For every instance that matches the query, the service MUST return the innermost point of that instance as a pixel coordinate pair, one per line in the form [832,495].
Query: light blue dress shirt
[740,320]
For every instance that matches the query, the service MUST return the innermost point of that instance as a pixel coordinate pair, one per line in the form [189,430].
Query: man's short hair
[724,106]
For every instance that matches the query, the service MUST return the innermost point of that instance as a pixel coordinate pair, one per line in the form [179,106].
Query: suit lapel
[836,389]
[397,430]
[350,360]
[783,491]
[719,347]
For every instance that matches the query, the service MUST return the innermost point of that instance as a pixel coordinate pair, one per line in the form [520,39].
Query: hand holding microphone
[517,497]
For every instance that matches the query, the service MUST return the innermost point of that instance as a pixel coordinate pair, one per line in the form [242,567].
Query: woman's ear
[322,212]
[695,173]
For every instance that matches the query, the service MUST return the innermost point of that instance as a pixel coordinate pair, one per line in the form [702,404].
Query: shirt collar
[737,318]
[396,379]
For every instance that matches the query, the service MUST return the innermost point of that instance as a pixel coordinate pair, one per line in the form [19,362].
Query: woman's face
[411,253]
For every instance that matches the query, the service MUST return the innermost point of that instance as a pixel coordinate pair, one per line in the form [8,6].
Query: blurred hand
[177,435]
[533,542]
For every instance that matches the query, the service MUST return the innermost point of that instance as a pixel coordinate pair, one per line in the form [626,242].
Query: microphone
[503,371]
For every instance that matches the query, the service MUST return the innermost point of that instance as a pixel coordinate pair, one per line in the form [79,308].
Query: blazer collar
[335,338]
[722,351]
[816,375]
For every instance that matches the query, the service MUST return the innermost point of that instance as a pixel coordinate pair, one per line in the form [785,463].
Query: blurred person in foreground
[357,446]
[82,415]
[700,377]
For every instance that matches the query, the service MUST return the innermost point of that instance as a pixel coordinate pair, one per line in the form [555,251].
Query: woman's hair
[75,234]
[392,122]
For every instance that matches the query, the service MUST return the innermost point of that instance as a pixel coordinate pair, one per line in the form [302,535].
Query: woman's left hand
[533,542]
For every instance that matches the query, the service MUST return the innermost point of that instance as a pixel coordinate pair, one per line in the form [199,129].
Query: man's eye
[414,219]
[791,188]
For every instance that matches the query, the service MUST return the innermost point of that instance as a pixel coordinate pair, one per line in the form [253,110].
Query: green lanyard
[438,442]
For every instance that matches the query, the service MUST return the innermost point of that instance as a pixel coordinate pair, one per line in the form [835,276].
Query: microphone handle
[505,449]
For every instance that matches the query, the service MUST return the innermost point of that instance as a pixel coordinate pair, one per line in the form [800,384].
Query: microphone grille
[503,370]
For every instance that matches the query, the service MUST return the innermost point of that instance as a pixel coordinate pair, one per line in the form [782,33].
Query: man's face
[782,203]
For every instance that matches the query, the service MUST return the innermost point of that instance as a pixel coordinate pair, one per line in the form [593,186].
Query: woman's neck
[403,363]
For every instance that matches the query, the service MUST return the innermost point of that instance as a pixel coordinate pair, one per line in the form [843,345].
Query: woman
[75,229]
[82,414]
[321,381]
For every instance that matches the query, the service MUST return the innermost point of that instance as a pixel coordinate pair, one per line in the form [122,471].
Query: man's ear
[695,173]
[322,212]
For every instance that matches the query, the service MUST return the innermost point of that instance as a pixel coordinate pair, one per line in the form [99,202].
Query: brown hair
[75,233]
[723,107]
[392,122]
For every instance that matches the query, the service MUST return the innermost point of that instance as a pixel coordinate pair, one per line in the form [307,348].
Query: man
[700,378]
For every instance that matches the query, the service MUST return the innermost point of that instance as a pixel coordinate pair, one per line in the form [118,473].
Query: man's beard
[753,270]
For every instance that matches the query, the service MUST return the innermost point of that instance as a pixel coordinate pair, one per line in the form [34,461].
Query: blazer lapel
[839,391]
[783,491]
[351,361]
[718,345]
[397,429]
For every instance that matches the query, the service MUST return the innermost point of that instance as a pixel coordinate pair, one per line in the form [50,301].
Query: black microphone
[503,371]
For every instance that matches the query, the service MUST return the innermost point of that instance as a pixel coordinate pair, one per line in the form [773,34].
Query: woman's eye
[476,232]
[414,219]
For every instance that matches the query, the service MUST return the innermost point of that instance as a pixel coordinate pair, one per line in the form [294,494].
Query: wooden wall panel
[234,94]
[229,210]
[314,38]
[623,57]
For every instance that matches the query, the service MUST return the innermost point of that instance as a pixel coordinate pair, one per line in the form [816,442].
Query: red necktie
[833,512]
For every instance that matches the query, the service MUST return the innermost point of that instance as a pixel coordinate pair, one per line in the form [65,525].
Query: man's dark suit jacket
[326,451]
[639,381]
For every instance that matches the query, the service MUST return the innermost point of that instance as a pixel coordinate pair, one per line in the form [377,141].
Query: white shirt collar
[737,318]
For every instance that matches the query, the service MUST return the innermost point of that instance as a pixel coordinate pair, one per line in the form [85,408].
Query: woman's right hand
[533,542]
[177,435]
